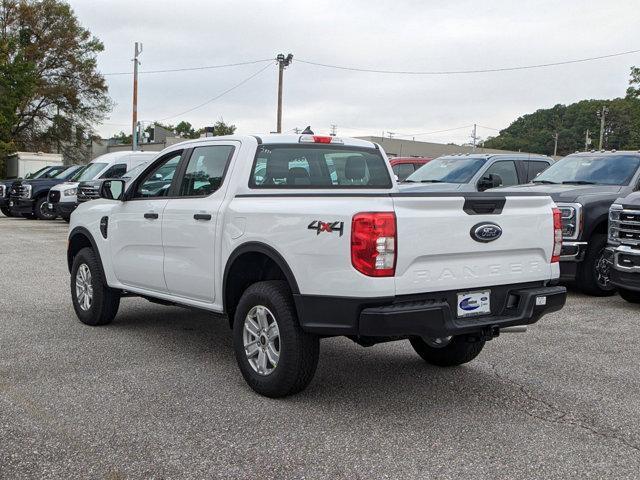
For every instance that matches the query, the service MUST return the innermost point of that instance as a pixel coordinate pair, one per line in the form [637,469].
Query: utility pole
[474,136]
[587,140]
[283,62]
[555,144]
[334,130]
[602,114]
[134,120]
[391,134]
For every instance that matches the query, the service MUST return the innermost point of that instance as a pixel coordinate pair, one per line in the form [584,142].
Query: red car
[405,166]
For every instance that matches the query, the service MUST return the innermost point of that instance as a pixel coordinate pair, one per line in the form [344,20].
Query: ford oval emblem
[486,232]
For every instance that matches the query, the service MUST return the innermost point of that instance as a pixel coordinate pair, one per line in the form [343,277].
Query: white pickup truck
[300,237]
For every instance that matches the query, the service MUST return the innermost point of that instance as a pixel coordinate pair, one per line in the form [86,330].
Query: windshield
[67,173]
[134,172]
[77,174]
[52,172]
[90,172]
[447,170]
[38,173]
[591,169]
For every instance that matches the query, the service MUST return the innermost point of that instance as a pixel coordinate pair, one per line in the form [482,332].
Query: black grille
[54,196]
[16,191]
[87,192]
[3,191]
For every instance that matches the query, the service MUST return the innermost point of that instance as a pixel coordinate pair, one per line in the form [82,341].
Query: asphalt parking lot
[157,394]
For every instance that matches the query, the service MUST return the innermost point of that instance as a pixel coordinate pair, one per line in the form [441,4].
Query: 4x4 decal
[328,227]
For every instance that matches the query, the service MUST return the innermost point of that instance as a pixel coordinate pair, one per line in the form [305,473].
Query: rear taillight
[557,235]
[319,139]
[373,243]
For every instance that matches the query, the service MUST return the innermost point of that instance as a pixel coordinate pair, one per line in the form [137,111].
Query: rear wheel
[94,302]
[6,211]
[447,351]
[593,276]
[630,296]
[276,357]
[42,210]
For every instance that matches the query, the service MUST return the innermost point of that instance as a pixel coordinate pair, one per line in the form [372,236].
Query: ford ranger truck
[624,246]
[301,237]
[584,185]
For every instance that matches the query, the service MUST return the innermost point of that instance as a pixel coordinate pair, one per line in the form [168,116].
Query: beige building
[395,147]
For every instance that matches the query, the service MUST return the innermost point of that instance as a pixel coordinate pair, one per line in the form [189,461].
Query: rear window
[318,166]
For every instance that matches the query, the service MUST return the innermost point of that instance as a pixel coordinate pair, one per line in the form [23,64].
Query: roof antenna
[307,131]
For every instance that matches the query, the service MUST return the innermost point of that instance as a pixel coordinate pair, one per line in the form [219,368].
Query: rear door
[437,252]
[190,221]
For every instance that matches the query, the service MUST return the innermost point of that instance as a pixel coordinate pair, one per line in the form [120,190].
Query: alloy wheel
[84,288]
[261,339]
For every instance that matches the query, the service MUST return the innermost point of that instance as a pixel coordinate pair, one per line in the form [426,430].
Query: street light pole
[283,62]
[555,144]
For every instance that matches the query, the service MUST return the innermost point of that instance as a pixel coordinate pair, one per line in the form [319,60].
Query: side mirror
[493,180]
[112,189]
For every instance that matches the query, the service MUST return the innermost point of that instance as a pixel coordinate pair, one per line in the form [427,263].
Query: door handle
[150,215]
[202,216]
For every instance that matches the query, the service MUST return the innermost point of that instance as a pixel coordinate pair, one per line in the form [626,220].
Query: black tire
[458,351]
[106,301]
[28,216]
[299,351]
[6,211]
[42,211]
[593,276]
[631,296]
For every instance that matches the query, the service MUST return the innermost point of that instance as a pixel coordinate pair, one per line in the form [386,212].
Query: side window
[115,171]
[403,170]
[506,170]
[535,168]
[205,170]
[157,181]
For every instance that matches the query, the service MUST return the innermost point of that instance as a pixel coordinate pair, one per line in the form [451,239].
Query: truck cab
[63,198]
[584,185]
[475,172]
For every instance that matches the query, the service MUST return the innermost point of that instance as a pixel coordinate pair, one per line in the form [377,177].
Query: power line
[455,72]
[219,95]
[489,128]
[188,69]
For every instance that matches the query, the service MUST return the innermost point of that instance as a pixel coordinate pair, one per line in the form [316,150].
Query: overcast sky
[392,35]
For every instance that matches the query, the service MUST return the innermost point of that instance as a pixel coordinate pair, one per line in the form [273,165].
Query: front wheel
[6,211]
[631,296]
[94,302]
[276,357]
[593,276]
[42,210]
[447,351]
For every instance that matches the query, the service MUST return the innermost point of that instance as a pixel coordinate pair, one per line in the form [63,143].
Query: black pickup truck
[28,198]
[584,186]
[6,184]
[624,246]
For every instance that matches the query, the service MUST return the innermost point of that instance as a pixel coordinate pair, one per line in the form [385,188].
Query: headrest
[355,168]
[278,164]
[298,176]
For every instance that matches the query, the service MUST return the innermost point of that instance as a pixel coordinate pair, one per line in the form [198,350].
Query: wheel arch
[269,259]
[80,238]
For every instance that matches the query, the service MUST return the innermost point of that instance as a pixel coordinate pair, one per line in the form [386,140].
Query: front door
[190,221]
[135,227]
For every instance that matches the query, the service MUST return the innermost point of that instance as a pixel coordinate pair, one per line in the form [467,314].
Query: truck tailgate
[436,250]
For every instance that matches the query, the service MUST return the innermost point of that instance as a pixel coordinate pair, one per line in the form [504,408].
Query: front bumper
[429,315]
[63,209]
[21,205]
[4,201]
[625,271]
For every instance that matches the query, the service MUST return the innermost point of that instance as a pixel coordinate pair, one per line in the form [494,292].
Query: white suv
[300,237]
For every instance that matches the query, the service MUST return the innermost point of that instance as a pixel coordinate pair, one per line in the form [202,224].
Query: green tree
[634,83]
[221,128]
[185,130]
[51,90]
[123,138]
